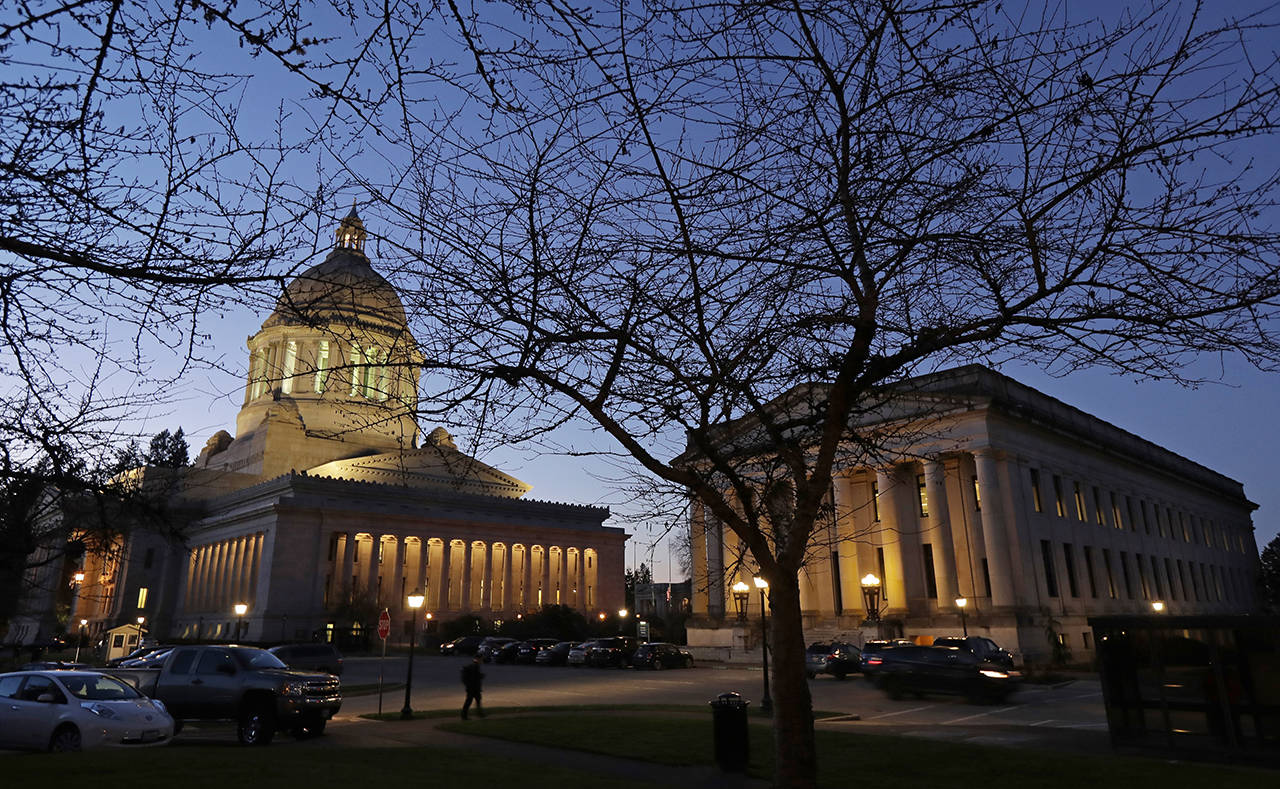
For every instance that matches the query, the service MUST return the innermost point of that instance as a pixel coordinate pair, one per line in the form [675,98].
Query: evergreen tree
[1269,577]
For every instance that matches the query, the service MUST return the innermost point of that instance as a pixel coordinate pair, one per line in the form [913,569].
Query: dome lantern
[351,233]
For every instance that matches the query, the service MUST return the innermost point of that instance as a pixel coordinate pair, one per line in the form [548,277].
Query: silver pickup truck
[247,685]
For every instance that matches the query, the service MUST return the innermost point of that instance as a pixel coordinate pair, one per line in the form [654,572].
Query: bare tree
[717,231]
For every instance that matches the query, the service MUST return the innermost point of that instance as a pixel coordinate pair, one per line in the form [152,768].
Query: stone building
[325,506]
[1035,513]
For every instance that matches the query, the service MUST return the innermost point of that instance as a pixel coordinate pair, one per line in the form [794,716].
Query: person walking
[472,677]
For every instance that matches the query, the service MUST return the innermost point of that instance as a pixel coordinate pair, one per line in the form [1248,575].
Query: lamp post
[766,704]
[1157,606]
[84,623]
[141,619]
[740,593]
[241,609]
[871,596]
[622,621]
[961,602]
[415,601]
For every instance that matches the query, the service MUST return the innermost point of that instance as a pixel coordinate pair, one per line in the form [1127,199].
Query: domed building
[326,506]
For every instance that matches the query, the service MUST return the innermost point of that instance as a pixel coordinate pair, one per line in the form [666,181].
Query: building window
[259,376]
[1088,569]
[333,546]
[1079,500]
[322,367]
[1146,525]
[1035,490]
[884,578]
[1050,578]
[142,598]
[1069,555]
[1111,578]
[1057,496]
[1116,520]
[875,502]
[930,577]
[986,576]
[977,495]
[923,495]
[1128,579]
[1155,577]
[1168,574]
[148,558]
[1098,513]
[1087,638]
[1142,576]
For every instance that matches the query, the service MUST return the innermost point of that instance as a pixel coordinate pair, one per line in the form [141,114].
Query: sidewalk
[362,733]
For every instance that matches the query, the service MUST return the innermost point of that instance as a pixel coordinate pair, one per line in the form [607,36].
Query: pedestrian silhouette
[472,678]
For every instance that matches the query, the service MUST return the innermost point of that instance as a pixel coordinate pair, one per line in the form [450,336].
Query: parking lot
[1071,706]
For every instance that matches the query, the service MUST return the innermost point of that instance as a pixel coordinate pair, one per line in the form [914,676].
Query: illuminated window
[875,502]
[1057,497]
[977,496]
[1097,507]
[1035,490]
[924,496]
[142,597]
[1079,499]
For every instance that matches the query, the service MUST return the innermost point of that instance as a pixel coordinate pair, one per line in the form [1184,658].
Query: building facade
[327,506]
[1035,513]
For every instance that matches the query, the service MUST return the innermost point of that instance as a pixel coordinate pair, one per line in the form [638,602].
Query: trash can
[729,727]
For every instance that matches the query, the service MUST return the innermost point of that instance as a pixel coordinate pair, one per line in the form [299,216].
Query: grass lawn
[220,767]
[851,760]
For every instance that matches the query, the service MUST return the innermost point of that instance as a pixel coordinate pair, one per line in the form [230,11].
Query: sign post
[384,631]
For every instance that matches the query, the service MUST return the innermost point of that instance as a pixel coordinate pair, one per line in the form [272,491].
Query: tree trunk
[795,756]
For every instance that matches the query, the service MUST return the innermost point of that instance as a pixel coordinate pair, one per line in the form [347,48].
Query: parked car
[815,658]
[69,710]
[134,655]
[556,655]
[528,651]
[660,655]
[578,654]
[54,665]
[980,646]
[840,660]
[247,685]
[506,653]
[924,670]
[490,646]
[310,657]
[870,660]
[612,652]
[153,658]
[464,645]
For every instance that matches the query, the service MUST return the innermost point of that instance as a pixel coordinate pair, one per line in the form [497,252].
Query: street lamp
[84,623]
[871,596]
[141,619]
[766,704]
[740,593]
[622,620]
[415,601]
[241,609]
[961,602]
[1157,606]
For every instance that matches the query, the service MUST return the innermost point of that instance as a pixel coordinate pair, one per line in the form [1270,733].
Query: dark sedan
[527,651]
[557,655]
[660,655]
[927,670]
[614,652]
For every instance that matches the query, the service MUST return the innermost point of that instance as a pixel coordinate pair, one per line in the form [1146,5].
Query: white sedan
[70,710]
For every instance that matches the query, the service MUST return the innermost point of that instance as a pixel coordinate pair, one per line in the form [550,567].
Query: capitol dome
[342,288]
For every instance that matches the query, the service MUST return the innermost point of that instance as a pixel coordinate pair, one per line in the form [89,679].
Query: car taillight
[874,661]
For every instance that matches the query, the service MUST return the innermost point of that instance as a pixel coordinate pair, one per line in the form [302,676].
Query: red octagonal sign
[384,624]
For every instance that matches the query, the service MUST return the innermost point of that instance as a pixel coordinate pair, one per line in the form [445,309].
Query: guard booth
[122,640]
[1192,687]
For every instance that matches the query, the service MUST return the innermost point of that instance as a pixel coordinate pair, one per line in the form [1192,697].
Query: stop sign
[384,624]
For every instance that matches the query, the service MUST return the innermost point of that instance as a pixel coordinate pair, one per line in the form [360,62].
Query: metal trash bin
[729,727]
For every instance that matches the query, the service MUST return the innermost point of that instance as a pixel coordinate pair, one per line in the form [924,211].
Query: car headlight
[292,689]
[158,704]
[101,710]
[993,674]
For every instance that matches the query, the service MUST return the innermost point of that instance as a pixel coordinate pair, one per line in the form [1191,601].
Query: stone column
[888,538]
[443,583]
[508,555]
[581,602]
[995,533]
[715,566]
[396,600]
[526,572]
[846,544]
[348,566]
[467,571]
[545,598]
[698,547]
[486,579]
[944,549]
